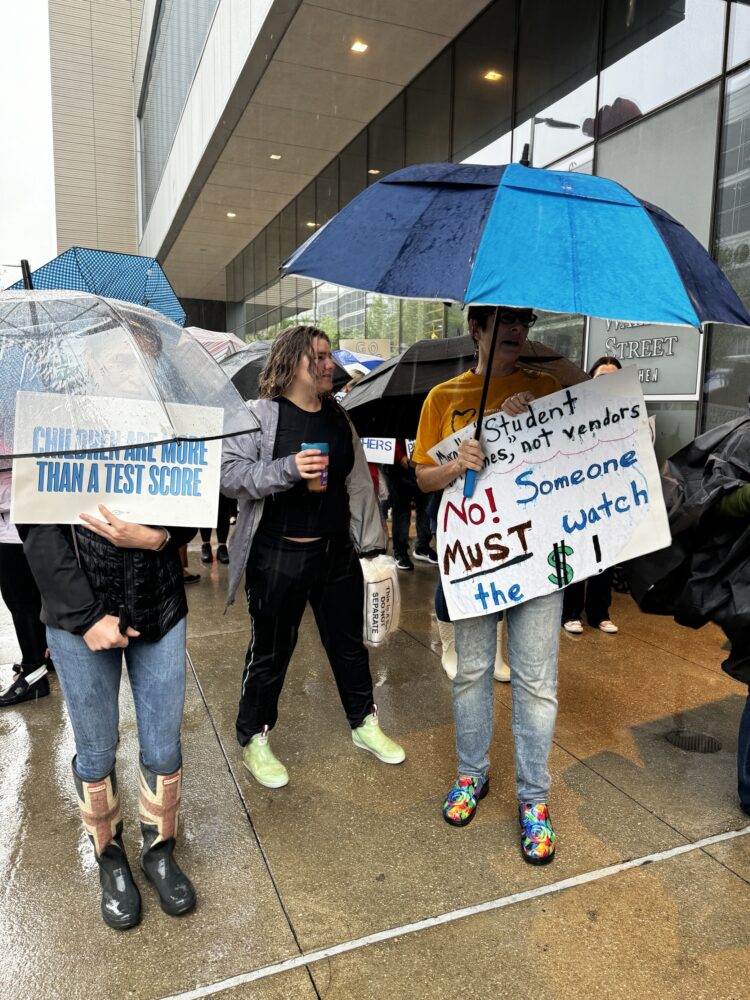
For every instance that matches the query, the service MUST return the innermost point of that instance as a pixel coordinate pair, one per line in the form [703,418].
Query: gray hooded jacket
[250,473]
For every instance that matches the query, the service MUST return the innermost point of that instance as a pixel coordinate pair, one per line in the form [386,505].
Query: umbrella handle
[470,482]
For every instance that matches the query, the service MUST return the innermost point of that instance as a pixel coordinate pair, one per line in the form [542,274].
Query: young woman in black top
[298,542]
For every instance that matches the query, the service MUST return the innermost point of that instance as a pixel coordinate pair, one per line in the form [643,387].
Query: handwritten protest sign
[568,489]
[381,451]
[175,483]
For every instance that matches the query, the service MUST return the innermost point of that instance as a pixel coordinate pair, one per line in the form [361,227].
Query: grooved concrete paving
[352,846]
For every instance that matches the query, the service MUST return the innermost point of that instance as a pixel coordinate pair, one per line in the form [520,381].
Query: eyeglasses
[523,316]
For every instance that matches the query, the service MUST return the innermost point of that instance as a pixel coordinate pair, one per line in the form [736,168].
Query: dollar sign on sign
[557,560]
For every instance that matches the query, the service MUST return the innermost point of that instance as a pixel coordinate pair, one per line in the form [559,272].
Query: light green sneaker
[369,736]
[265,767]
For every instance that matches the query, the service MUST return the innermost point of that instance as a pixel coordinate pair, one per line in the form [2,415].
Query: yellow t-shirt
[454,404]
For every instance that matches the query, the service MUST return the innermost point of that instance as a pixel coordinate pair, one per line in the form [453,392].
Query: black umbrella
[245,366]
[388,401]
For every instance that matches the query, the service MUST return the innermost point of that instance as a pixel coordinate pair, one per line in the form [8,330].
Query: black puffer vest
[147,585]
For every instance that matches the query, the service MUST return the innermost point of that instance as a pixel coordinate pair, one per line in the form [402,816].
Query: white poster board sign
[568,489]
[176,483]
[381,451]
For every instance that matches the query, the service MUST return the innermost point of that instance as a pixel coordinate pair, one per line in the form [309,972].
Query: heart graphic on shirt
[461,418]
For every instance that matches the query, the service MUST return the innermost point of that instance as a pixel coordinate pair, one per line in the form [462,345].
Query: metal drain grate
[692,741]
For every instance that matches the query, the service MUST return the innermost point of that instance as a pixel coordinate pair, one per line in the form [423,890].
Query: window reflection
[581,162]
[556,77]
[727,382]
[353,169]
[655,51]
[563,332]
[428,113]
[306,219]
[384,321]
[483,89]
[327,194]
[739,35]
[386,142]
[288,231]
[421,321]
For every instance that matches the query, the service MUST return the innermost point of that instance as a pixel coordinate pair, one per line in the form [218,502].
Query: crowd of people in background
[307,509]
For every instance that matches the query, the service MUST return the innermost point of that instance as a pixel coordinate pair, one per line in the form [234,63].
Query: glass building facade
[653,94]
[180,34]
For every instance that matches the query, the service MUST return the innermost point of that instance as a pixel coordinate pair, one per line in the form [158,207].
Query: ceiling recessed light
[275,156]
[360,46]
[373,171]
[231,215]
[493,76]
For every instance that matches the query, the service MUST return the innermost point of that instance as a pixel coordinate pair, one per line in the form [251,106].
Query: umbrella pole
[470,476]
[26,272]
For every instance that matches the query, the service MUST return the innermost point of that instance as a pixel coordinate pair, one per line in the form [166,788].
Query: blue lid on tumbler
[321,446]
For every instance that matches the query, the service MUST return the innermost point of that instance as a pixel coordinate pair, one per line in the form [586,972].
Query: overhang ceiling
[314,97]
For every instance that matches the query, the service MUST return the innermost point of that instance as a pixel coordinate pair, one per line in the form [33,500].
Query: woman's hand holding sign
[470,456]
[437,477]
[517,404]
[123,534]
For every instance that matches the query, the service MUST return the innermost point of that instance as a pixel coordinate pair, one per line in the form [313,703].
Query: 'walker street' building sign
[568,489]
[667,357]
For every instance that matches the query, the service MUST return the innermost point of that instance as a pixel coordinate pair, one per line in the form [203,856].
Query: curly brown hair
[287,350]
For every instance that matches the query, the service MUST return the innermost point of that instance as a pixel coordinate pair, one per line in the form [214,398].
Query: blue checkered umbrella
[123,276]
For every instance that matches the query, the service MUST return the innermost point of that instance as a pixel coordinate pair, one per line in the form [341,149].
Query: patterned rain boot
[99,803]
[537,834]
[462,800]
[159,808]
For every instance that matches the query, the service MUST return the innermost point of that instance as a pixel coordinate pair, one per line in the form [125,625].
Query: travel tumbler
[320,482]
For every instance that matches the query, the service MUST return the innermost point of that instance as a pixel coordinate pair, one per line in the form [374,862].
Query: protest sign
[381,451]
[568,489]
[175,483]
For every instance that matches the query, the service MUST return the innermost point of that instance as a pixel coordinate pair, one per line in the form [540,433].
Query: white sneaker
[575,627]
[502,670]
[448,642]
[608,626]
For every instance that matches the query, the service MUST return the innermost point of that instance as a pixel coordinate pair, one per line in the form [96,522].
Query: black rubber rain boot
[99,803]
[159,803]
[29,682]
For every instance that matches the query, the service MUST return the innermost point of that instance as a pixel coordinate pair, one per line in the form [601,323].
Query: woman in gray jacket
[305,513]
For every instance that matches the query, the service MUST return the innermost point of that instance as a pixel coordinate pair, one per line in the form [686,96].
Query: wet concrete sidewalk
[351,847]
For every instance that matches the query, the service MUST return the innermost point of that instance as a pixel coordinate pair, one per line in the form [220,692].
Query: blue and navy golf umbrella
[124,276]
[518,236]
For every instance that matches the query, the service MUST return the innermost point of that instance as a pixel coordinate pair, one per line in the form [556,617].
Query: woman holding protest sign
[533,627]
[307,507]
[112,589]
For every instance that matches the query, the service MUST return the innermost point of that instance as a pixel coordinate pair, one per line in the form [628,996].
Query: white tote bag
[382,599]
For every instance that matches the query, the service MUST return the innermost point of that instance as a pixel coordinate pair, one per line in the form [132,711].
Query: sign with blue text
[175,483]
[568,489]
[380,451]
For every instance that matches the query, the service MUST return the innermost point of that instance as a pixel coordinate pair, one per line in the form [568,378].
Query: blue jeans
[91,685]
[533,638]
[743,758]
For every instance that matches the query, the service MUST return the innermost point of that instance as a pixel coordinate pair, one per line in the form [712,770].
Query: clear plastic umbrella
[105,367]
